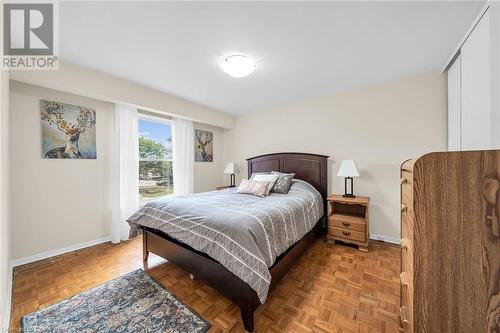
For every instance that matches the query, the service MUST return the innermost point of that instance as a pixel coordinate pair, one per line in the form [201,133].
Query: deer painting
[69,122]
[204,151]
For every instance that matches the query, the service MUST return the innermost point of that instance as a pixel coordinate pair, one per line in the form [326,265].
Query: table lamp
[232,169]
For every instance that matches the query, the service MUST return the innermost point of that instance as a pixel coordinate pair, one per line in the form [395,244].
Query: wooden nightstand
[348,220]
[223,187]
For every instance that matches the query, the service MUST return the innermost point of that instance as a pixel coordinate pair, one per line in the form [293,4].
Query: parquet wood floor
[332,288]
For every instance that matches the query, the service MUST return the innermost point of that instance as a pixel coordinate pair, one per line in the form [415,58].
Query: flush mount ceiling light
[238,65]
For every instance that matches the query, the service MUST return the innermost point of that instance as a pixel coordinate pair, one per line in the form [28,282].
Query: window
[155,158]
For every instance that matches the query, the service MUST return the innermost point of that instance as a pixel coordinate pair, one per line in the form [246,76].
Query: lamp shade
[231,168]
[348,169]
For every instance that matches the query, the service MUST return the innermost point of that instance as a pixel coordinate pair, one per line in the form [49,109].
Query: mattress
[243,232]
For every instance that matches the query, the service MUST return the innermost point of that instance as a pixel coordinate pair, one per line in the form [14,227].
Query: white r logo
[19,30]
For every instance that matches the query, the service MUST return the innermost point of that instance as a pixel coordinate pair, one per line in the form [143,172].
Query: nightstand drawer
[347,234]
[348,222]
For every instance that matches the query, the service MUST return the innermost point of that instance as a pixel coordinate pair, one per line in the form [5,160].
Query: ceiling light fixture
[238,65]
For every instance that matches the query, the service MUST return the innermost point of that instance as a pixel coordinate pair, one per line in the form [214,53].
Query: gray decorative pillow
[283,183]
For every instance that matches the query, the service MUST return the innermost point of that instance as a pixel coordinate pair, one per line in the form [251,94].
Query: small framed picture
[203,146]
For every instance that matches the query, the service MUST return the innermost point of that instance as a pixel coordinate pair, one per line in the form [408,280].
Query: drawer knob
[346,224]
[404,279]
[404,316]
[404,181]
[404,208]
[404,243]
[346,233]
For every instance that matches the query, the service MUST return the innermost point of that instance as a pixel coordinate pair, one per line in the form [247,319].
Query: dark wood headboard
[311,168]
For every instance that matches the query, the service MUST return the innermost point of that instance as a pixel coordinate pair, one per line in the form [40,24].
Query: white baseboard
[385,239]
[36,257]
[53,253]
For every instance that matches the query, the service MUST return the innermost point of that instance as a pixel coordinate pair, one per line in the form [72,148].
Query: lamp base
[348,194]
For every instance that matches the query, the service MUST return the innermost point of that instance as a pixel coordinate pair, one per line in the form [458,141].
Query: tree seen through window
[155,159]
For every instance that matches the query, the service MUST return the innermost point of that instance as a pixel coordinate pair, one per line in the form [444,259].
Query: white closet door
[454,106]
[494,11]
[476,113]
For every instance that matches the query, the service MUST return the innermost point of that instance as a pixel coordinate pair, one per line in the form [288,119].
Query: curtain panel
[183,156]
[125,171]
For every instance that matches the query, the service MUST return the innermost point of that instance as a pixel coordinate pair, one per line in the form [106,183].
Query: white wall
[61,203]
[56,203]
[82,81]
[5,253]
[378,126]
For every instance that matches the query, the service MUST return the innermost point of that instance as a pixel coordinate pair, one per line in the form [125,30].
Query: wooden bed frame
[308,167]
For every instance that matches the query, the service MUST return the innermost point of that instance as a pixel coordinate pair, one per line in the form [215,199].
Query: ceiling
[303,49]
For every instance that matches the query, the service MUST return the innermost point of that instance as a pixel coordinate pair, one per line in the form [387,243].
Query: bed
[245,262]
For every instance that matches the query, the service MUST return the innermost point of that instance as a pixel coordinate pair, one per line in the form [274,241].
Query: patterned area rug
[132,303]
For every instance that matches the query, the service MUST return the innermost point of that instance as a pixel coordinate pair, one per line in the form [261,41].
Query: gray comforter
[243,232]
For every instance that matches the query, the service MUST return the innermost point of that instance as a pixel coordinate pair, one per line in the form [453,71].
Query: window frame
[160,120]
[157,120]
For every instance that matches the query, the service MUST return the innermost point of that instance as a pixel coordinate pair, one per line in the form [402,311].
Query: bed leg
[247,317]
[145,252]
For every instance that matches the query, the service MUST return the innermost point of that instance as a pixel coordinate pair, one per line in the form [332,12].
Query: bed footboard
[217,276]
[209,271]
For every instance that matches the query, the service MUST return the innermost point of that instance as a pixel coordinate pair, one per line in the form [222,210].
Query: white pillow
[254,187]
[265,178]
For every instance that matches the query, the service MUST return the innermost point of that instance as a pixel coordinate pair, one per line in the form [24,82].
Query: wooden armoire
[450,243]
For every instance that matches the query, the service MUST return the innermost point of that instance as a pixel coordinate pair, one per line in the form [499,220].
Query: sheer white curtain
[125,171]
[183,156]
